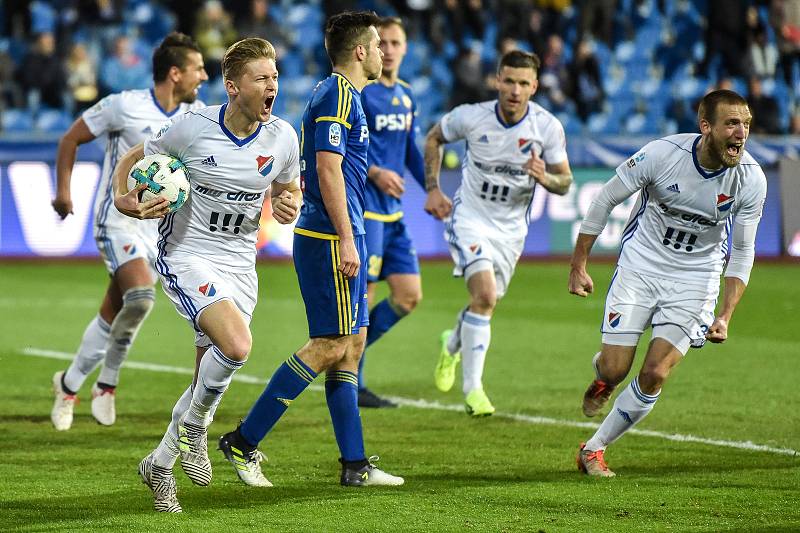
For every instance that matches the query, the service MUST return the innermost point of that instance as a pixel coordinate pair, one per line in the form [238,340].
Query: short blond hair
[242,52]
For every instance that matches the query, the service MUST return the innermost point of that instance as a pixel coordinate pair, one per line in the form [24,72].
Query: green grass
[494,474]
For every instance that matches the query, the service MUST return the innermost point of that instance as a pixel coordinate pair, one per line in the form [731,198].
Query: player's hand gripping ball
[164,176]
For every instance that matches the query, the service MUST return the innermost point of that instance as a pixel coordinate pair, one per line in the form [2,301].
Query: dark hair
[172,52]
[710,103]
[520,59]
[345,31]
[385,22]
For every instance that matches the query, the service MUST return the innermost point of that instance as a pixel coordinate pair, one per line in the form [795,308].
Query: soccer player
[390,109]
[328,256]
[513,145]
[127,246]
[207,249]
[692,190]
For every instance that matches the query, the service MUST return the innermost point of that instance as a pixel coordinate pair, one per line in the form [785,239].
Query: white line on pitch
[425,404]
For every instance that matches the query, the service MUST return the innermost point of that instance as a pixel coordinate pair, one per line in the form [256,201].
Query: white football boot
[103,409]
[63,406]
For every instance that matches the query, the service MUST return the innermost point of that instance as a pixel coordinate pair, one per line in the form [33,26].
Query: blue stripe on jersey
[164,230]
[530,206]
[114,138]
[725,236]
[631,228]
[451,234]
[605,306]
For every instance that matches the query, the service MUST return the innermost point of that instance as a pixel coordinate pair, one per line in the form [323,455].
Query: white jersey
[496,192]
[121,121]
[679,226]
[229,179]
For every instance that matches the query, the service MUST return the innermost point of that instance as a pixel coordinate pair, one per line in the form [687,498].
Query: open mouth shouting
[734,150]
[266,108]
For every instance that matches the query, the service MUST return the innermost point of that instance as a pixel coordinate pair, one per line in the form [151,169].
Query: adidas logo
[673,188]
[284,401]
[209,161]
[483,139]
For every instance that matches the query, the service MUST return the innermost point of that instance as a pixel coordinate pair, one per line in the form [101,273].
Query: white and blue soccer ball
[164,175]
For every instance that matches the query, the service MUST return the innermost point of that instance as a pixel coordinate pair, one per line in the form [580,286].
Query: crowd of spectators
[601,59]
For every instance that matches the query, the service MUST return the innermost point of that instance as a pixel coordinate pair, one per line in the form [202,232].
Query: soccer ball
[164,176]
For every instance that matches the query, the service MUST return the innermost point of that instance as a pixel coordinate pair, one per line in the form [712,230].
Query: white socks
[454,341]
[476,333]
[630,407]
[136,305]
[216,372]
[167,451]
[90,353]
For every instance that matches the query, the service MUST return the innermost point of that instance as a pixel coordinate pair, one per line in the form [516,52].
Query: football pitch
[718,453]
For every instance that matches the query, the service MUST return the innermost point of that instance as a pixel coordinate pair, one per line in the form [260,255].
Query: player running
[328,256]
[692,190]
[513,145]
[207,249]
[390,108]
[127,246]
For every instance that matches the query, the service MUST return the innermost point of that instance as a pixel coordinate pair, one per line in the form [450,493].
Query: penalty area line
[437,406]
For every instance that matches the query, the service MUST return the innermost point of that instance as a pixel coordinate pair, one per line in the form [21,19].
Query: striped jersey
[496,192]
[390,112]
[229,177]
[121,121]
[333,121]
[679,226]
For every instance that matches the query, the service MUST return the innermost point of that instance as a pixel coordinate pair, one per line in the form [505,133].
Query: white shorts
[474,250]
[126,241]
[194,285]
[679,313]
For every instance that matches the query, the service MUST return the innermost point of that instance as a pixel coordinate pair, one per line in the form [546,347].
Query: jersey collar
[155,101]
[236,140]
[706,175]
[503,122]
[350,83]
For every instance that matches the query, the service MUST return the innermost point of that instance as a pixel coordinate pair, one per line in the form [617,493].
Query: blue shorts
[390,250]
[334,305]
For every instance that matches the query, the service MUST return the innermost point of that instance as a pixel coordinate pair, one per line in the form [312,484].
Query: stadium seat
[16,120]
[52,121]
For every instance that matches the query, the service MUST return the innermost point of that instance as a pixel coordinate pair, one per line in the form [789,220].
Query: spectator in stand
[587,86]
[554,75]
[596,19]
[42,73]
[81,78]
[553,11]
[536,35]
[10,92]
[463,15]
[468,83]
[259,23]
[766,115]
[513,17]
[726,25]
[784,15]
[214,33]
[125,69]
[763,56]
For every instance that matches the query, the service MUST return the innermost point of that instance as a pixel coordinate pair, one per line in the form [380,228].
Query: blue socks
[381,319]
[286,384]
[341,392]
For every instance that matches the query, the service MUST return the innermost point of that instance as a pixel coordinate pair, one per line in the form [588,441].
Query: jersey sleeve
[174,137]
[291,171]
[638,171]
[104,116]
[456,124]
[754,195]
[332,113]
[554,150]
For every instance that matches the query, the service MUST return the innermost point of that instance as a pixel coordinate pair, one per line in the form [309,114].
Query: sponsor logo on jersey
[614,318]
[147,130]
[525,145]
[625,416]
[393,121]
[265,164]
[207,289]
[334,134]
[501,169]
[162,131]
[724,202]
[236,196]
[686,217]
[674,188]
[638,158]
[209,161]
[129,249]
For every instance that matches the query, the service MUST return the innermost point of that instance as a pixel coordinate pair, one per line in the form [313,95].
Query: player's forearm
[434,154]
[557,183]
[734,289]
[583,246]
[123,168]
[65,160]
[332,189]
[613,193]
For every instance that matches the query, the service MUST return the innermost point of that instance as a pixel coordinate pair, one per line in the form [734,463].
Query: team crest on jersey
[475,249]
[264,164]
[130,249]
[724,202]
[334,134]
[525,145]
[614,318]
[207,289]
[407,101]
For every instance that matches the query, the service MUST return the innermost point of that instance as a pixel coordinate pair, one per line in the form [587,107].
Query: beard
[729,153]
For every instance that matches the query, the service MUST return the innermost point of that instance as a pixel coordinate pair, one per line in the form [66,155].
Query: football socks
[90,353]
[476,333]
[341,392]
[630,407]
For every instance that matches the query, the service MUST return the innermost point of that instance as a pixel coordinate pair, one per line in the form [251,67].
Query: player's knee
[407,301]
[137,303]
[484,301]
[652,377]
[325,352]
[237,348]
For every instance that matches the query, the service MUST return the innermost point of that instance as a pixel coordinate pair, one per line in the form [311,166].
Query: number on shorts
[679,239]
[214,224]
[494,193]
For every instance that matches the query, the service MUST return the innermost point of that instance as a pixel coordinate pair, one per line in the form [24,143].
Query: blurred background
[617,73]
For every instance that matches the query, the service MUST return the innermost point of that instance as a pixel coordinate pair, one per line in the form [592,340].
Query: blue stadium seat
[16,120]
[52,120]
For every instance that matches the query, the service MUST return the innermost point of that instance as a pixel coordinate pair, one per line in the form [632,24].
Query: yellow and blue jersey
[333,121]
[390,113]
